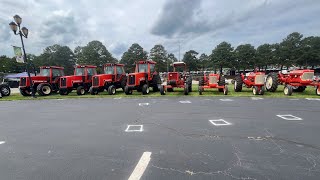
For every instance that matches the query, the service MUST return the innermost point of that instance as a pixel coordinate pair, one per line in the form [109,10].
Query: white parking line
[313,99]
[290,117]
[219,122]
[143,104]
[118,98]
[2,142]
[141,166]
[185,102]
[134,128]
[256,98]
[226,100]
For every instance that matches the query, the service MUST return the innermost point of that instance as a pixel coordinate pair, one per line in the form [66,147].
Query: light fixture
[13,27]
[25,31]
[17,19]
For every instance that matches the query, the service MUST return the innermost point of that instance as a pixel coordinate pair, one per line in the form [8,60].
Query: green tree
[94,53]
[310,47]
[289,50]
[159,55]
[191,60]
[204,61]
[134,53]
[10,65]
[264,56]
[171,59]
[245,55]
[222,56]
[56,55]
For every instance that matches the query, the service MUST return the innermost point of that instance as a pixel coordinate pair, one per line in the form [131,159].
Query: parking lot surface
[160,138]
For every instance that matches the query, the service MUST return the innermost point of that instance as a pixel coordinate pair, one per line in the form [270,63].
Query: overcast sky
[195,24]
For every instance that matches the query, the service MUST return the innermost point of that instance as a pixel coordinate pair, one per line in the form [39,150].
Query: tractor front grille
[131,80]
[23,81]
[259,79]
[63,82]
[213,80]
[307,76]
[95,81]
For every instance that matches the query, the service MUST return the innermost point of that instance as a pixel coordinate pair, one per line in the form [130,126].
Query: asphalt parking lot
[160,138]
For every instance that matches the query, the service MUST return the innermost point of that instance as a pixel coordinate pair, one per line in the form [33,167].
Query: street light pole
[22,32]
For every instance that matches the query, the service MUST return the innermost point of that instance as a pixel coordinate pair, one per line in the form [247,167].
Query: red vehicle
[177,79]
[254,80]
[80,81]
[114,77]
[46,82]
[294,81]
[145,76]
[213,81]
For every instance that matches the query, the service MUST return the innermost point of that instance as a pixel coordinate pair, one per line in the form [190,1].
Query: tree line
[294,50]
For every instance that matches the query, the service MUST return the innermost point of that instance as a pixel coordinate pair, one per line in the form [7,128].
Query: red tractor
[177,79]
[293,81]
[80,81]
[145,76]
[46,82]
[114,77]
[254,80]
[213,81]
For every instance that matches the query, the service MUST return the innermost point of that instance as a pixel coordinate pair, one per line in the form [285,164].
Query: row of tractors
[86,80]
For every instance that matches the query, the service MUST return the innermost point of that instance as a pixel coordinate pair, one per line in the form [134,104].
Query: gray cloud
[119,49]
[178,16]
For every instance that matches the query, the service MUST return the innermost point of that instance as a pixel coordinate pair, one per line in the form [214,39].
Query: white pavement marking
[185,102]
[289,117]
[134,128]
[219,122]
[118,98]
[141,166]
[143,104]
[226,100]
[313,99]
[2,142]
[256,98]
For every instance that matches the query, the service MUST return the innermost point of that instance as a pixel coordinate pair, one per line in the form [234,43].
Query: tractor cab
[85,70]
[179,72]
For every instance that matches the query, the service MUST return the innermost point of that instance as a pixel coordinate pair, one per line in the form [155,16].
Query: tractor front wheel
[238,84]
[220,89]
[162,90]
[81,90]
[170,89]
[44,89]
[255,90]
[225,90]
[272,82]
[186,90]
[25,92]
[288,90]
[200,89]
[299,89]
[145,89]
[5,90]
[112,90]
[318,91]
[127,90]
[93,91]
[63,92]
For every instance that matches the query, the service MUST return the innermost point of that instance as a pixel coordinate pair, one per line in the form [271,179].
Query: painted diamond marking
[134,128]
[290,117]
[185,102]
[219,122]
[226,100]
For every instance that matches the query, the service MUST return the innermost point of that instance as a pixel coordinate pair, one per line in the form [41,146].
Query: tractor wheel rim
[269,83]
[113,90]
[46,90]
[147,90]
[82,91]
[5,90]
[286,91]
[254,91]
[235,84]
[318,91]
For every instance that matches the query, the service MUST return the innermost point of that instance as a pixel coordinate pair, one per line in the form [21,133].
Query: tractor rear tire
[200,89]
[123,82]
[44,89]
[288,90]
[63,92]
[220,89]
[272,82]
[189,81]
[112,90]
[81,90]
[255,90]
[5,90]
[201,81]
[238,84]
[145,89]
[318,91]
[156,82]
[25,92]
[162,90]
[222,81]
[170,89]
[185,90]
[127,91]
[225,90]
[299,89]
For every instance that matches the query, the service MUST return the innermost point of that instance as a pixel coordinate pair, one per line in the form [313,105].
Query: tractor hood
[24,81]
[105,77]
[75,78]
[138,75]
